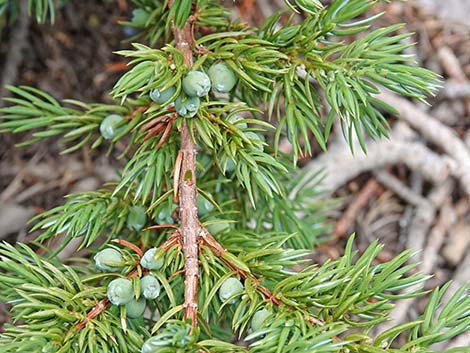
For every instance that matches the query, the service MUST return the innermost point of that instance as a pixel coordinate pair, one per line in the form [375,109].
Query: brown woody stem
[189,223]
[187,192]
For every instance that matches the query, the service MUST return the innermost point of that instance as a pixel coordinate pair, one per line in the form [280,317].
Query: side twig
[219,250]
[101,306]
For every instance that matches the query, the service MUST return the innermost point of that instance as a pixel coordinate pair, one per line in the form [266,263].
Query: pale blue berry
[149,261]
[222,77]
[196,84]
[217,228]
[136,218]
[108,260]
[230,287]
[140,17]
[256,140]
[234,119]
[259,318]
[162,97]
[204,206]
[120,291]
[165,216]
[150,287]
[135,308]
[153,344]
[187,107]
[108,127]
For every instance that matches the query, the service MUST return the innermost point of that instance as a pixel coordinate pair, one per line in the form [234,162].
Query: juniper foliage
[255,232]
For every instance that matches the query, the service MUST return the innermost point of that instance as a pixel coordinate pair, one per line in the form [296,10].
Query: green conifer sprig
[35,110]
[43,10]
[52,299]
[256,238]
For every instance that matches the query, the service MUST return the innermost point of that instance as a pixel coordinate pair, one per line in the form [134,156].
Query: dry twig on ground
[341,165]
[436,133]
[17,43]
[424,218]
[344,225]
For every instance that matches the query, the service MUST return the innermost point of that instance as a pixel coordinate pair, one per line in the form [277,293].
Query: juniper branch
[187,190]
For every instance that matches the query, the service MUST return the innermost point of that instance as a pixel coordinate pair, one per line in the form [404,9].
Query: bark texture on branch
[189,223]
[187,195]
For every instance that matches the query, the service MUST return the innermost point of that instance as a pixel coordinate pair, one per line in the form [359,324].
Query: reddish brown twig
[139,110]
[161,226]
[152,123]
[346,222]
[174,239]
[161,124]
[129,245]
[97,309]
[118,66]
[189,223]
[176,273]
[219,250]
[101,306]
[165,135]
[155,130]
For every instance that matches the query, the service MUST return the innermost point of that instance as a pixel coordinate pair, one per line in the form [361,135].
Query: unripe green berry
[233,119]
[162,97]
[165,215]
[218,227]
[140,17]
[256,140]
[231,286]
[120,291]
[182,338]
[135,308]
[230,166]
[196,84]
[108,126]
[49,348]
[149,261]
[187,107]
[136,218]
[161,219]
[108,260]
[151,345]
[150,287]
[258,318]
[222,77]
[204,206]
